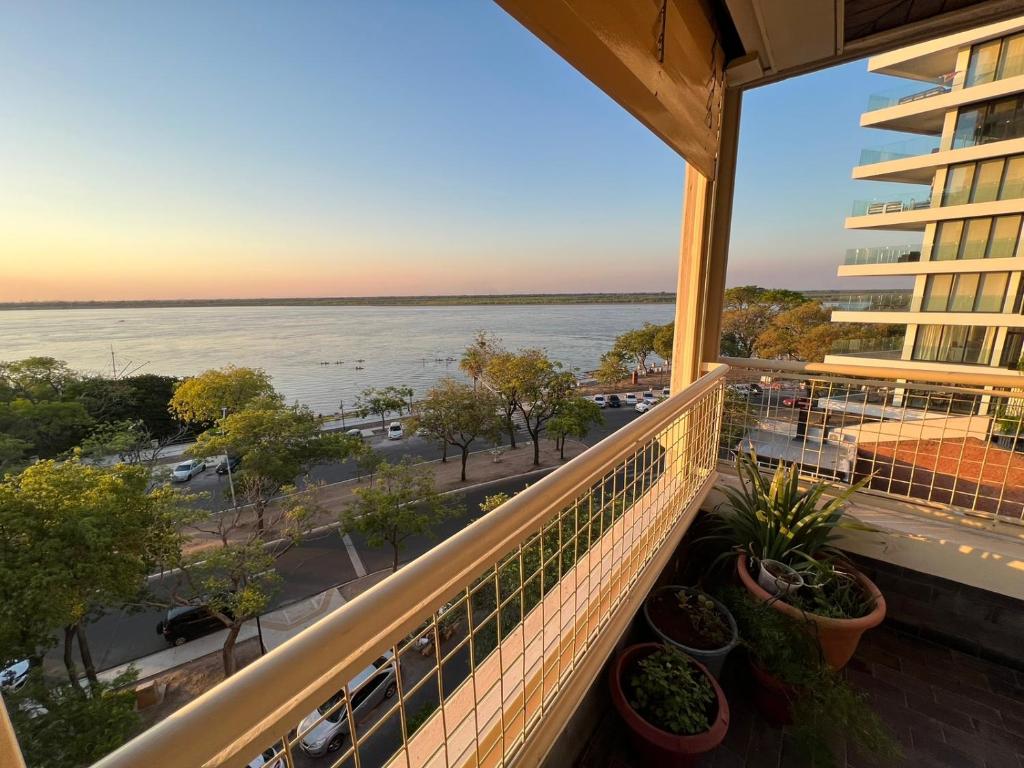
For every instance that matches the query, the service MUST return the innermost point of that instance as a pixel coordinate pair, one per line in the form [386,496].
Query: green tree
[636,345]
[12,451]
[73,539]
[237,578]
[500,379]
[142,398]
[747,311]
[130,441]
[574,418]
[50,427]
[381,402]
[541,388]
[276,444]
[59,726]
[484,346]
[663,340]
[458,415]
[200,399]
[36,379]
[613,368]
[805,332]
[401,502]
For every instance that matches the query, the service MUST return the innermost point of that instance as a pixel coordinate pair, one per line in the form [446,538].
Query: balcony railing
[496,630]
[872,302]
[893,204]
[867,346]
[899,150]
[958,444]
[883,254]
[917,90]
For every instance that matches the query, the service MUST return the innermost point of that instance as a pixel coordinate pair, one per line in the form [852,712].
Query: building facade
[957,230]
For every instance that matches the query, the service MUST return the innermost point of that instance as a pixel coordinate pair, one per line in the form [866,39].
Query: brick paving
[948,710]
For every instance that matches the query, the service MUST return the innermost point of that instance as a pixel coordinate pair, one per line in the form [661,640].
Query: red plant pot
[655,747]
[838,638]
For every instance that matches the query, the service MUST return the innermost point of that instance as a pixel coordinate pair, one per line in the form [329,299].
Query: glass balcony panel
[883,254]
[898,150]
[987,178]
[872,302]
[867,347]
[891,204]
[992,292]
[962,299]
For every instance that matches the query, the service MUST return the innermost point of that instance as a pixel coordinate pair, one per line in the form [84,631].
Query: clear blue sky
[198,149]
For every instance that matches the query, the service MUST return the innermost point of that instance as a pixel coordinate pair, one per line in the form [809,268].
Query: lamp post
[341,407]
[227,462]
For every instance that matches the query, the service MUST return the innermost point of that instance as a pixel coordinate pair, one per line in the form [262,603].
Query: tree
[237,578]
[499,378]
[805,332]
[142,398]
[200,399]
[458,415]
[747,311]
[401,502]
[59,726]
[612,369]
[276,444]
[35,379]
[50,427]
[538,386]
[635,345]
[129,440]
[474,359]
[574,418]
[663,341]
[75,538]
[382,401]
[12,450]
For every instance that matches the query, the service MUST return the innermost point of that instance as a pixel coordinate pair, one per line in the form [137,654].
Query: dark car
[231,462]
[187,622]
[614,401]
[795,401]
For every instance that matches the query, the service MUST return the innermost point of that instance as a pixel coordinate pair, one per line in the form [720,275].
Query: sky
[218,149]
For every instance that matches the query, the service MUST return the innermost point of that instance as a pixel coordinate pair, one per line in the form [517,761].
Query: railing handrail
[879,373]
[225,724]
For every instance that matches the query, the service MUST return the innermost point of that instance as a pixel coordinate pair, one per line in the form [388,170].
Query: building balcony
[915,161]
[883,254]
[896,301]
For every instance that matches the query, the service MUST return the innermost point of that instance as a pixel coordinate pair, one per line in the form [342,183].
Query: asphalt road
[321,561]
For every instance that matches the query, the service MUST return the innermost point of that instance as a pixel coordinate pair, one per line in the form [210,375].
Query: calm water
[400,345]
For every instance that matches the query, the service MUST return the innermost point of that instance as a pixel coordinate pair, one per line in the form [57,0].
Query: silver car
[187,470]
[327,725]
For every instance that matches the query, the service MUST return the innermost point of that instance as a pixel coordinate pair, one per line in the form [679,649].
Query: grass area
[363,301]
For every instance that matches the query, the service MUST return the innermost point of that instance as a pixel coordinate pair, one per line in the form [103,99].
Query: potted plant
[778,578]
[674,708]
[775,520]
[794,687]
[694,622]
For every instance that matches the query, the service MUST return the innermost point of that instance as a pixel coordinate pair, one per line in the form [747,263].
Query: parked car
[187,622]
[395,430]
[187,470]
[795,401]
[14,675]
[631,398]
[614,401]
[600,400]
[643,406]
[649,396]
[228,462]
[268,759]
[368,689]
[665,392]
[354,433]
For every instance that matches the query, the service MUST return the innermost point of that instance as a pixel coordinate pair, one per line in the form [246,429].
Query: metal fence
[956,444]
[459,657]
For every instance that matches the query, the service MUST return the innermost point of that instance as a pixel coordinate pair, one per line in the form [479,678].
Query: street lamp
[227,462]
[341,407]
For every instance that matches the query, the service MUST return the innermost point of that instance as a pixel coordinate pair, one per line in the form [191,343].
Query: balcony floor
[946,708]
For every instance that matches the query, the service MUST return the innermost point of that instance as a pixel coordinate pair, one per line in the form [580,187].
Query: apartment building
[957,229]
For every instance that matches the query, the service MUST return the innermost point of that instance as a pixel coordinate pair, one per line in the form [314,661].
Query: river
[413,346]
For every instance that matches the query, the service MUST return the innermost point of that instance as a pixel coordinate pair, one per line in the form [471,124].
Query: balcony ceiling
[667,61]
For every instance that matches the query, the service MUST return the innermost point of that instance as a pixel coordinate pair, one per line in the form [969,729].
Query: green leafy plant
[831,590]
[670,692]
[773,519]
[825,707]
[705,617]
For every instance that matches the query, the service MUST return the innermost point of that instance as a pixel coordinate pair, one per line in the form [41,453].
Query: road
[321,561]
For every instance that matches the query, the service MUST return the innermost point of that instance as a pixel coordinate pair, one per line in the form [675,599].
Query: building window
[999,179]
[985,237]
[995,121]
[995,60]
[966,292]
[954,344]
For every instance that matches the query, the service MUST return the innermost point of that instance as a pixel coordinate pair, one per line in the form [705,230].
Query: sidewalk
[481,468]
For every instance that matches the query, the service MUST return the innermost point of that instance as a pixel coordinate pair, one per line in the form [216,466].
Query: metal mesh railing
[456,659]
[958,445]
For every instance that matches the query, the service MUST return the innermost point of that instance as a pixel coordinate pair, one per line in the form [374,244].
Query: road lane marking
[353,555]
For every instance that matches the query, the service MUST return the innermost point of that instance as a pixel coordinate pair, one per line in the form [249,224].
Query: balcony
[899,150]
[873,302]
[883,254]
[891,204]
[886,346]
[913,91]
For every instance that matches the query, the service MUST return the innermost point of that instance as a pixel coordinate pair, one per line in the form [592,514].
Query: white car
[601,401]
[268,759]
[395,430]
[648,397]
[631,398]
[14,675]
[665,392]
[643,406]
[187,470]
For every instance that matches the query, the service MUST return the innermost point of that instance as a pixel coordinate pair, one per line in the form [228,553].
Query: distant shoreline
[361,301]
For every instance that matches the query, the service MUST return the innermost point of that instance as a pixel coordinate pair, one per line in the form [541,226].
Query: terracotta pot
[712,658]
[838,638]
[773,698]
[655,747]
